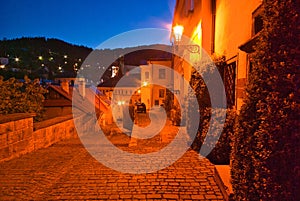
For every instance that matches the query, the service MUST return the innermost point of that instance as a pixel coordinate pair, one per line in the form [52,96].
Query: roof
[84,104]
[130,80]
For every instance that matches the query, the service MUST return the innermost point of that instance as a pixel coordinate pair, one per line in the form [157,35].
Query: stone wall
[53,130]
[19,135]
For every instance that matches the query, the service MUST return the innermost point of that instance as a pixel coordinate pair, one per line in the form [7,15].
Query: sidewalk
[66,171]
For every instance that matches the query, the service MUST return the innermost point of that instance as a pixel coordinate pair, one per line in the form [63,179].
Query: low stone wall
[18,134]
[53,130]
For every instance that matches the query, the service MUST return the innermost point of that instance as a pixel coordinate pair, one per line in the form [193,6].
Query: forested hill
[33,52]
[55,57]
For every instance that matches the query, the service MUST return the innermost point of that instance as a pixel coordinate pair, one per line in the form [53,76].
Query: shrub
[266,151]
[21,97]
[220,153]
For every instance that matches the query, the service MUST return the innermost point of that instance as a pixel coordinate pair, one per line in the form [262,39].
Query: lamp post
[180,45]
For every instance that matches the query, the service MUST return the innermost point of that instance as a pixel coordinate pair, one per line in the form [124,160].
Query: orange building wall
[234,28]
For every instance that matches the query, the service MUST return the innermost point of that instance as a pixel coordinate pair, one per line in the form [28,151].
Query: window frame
[161,73]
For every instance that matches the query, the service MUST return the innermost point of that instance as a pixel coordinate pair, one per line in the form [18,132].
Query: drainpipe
[213,23]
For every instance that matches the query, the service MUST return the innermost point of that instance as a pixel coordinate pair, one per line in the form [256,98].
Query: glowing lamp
[178,31]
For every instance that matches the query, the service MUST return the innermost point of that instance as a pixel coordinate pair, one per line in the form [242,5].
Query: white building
[156,76]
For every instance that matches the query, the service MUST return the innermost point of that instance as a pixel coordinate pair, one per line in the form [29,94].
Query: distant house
[122,91]
[58,101]
[155,77]
[3,61]
[70,80]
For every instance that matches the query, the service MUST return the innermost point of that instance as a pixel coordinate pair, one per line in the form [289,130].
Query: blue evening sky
[82,22]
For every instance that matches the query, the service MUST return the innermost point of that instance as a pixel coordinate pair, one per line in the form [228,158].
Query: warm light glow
[121,103]
[178,31]
[17,59]
[199,31]
[65,56]
[114,71]
[139,91]
[197,39]
[145,83]
[40,58]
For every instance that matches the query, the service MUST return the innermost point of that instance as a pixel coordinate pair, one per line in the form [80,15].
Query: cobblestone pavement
[66,171]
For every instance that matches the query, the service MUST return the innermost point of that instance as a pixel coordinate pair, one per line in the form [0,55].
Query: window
[258,24]
[156,102]
[146,75]
[162,73]
[257,21]
[229,83]
[189,6]
[161,93]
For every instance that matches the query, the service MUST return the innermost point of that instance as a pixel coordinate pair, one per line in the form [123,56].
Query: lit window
[114,71]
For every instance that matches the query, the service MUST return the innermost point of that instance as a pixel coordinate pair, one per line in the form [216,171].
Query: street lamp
[178,32]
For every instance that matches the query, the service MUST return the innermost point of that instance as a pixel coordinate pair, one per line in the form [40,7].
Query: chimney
[65,86]
[81,86]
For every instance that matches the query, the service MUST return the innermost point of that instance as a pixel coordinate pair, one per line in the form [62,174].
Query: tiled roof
[85,104]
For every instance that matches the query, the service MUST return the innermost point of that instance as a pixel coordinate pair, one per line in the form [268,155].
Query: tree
[21,97]
[265,158]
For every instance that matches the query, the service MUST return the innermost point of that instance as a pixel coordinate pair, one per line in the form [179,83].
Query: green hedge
[265,158]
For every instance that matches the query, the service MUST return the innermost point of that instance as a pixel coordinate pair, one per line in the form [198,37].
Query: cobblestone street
[66,171]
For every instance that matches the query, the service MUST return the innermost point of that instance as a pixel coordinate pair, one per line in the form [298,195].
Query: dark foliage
[266,150]
[21,97]
[220,153]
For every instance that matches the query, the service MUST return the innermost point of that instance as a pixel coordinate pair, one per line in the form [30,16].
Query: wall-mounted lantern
[178,31]
[177,34]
